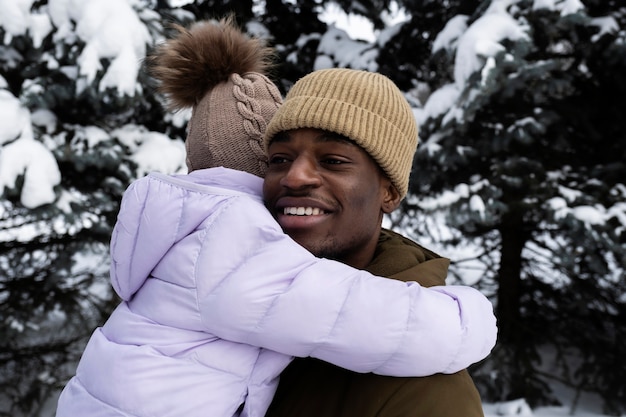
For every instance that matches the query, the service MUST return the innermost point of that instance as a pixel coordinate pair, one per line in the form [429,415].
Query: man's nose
[302,173]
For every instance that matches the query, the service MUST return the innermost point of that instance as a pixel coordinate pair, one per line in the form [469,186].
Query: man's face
[327,194]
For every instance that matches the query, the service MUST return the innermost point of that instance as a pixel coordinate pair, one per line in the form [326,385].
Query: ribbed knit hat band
[366,107]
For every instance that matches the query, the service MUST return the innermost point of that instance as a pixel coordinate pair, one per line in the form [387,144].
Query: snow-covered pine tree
[523,155]
[81,116]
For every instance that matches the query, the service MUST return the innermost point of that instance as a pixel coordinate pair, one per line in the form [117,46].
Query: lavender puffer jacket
[217,301]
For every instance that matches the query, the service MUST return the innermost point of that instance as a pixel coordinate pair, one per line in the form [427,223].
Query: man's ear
[391,198]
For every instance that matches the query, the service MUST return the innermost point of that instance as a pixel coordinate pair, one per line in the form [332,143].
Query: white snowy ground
[587,406]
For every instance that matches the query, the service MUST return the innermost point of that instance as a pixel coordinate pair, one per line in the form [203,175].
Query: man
[340,152]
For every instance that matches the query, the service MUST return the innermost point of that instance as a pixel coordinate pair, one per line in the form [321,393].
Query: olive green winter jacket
[312,388]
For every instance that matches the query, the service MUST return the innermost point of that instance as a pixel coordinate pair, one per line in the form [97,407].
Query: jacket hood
[159,210]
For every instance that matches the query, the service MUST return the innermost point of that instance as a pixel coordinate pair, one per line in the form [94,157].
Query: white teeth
[302,211]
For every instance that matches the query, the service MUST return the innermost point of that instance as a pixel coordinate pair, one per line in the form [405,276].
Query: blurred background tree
[519,177]
[535,153]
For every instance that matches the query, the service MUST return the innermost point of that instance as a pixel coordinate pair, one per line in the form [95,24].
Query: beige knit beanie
[217,70]
[366,107]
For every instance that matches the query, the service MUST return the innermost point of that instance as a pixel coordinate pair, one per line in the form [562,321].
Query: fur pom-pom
[202,56]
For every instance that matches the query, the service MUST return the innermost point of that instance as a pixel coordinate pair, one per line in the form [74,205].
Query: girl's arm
[274,294]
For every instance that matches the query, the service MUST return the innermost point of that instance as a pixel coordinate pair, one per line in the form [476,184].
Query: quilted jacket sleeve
[274,294]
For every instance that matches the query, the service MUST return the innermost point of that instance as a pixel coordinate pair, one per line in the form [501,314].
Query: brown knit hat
[218,71]
[366,107]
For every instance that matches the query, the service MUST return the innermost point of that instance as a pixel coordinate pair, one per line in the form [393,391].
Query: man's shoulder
[401,258]
[389,237]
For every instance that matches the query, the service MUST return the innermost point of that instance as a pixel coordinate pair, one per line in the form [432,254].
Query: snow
[606,24]
[477,205]
[13,117]
[356,26]
[111,29]
[440,101]
[23,155]
[449,36]
[149,149]
[359,28]
[39,167]
[338,48]
[15,16]
[521,408]
[481,41]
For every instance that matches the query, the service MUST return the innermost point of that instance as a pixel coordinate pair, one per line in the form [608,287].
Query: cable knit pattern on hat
[366,107]
[251,110]
[218,71]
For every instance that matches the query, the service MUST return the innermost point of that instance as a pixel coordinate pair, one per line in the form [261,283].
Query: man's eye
[277,159]
[333,161]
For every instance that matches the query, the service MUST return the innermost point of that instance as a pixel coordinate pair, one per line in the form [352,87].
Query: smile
[302,211]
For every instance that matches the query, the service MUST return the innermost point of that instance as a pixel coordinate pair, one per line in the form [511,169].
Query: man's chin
[310,242]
